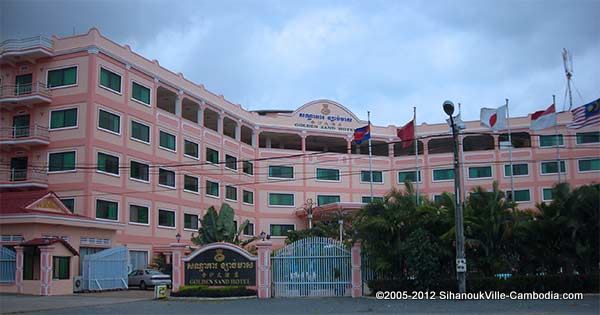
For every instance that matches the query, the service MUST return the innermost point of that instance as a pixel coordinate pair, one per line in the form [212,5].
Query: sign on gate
[220,264]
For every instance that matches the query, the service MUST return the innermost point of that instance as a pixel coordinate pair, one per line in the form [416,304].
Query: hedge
[216,292]
[519,283]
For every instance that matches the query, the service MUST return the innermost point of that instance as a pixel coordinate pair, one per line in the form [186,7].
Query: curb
[228,298]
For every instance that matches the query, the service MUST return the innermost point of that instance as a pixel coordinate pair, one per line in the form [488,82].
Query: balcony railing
[13,93]
[25,44]
[23,177]
[24,134]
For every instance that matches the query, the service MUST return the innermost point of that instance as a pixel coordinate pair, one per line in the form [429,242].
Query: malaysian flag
[586,115]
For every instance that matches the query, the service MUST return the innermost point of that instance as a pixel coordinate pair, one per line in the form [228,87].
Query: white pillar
[178,106]
[238,130]
[200,116]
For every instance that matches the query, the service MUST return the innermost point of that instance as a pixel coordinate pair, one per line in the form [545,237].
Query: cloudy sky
[382,56]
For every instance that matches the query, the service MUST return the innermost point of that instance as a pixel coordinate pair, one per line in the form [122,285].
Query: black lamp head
[448,108]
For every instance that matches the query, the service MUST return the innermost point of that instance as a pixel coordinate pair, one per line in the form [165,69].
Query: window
[62,77]
[212,156]
[437,199]
[140,93]
[166,178]
[230,193]
[61,161]
[140,131]
[60,268]
[110,80]
[212,188]
[518,170]
[190,148]
[547,194]
[480,172]
[377,176]
[520,195]
[109,121]
[281,229]
[408,176]
[278,171]
[249,229]
[588,137]
[552,167]
[138,214]
[367,199]
[277,199]
[190,221]
[69,203]
[167,141]
[443,174]
[248,168]
[63,118]
[190,183]
[139,171]
[248,197]
[230,162]
[589,165]
[166,218]
[550,141]
[327,199]
[107,209]
[328,174]
[108,163]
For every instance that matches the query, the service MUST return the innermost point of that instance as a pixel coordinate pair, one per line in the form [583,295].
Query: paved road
[590,305]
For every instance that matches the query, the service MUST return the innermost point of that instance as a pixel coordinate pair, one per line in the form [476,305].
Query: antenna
[568,64]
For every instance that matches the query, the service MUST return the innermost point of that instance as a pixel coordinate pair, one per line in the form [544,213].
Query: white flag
[543,119]
[494,118]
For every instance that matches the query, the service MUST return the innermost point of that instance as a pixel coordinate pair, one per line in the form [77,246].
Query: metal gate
[315,266]
[106,270]
[8,265]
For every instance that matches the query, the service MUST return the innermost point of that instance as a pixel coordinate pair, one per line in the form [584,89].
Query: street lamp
[264,236]
[461,261]
[309,209]
[178,237]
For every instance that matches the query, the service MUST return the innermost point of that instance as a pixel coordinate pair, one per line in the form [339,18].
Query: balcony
[25,94]
[23,178]
[13,51]
[34,135]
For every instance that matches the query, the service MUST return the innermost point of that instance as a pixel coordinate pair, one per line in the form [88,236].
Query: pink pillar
[46,269]
[356,270]
[177,250]
[19,269]
[263,272]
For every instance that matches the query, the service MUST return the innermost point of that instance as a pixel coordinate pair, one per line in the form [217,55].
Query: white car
[148,278]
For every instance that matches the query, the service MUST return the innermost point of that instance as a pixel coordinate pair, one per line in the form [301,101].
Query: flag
[494,118]
[543,119]
[406,134]
[362,134]
[586,115]
[460,124]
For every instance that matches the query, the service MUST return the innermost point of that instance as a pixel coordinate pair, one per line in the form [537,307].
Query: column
[46,269]
[220,122]
[238,130]
[268,142]
[178,100]
[356,270]
[303,137]
[263,272]
[200,116]
[254,139]
[177,250]
[19,269]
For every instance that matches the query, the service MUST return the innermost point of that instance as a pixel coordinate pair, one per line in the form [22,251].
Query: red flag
[406,134]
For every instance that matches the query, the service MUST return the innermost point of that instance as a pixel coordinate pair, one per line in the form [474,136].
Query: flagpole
[510,157]
[556,139]
[416,153]
[370,153]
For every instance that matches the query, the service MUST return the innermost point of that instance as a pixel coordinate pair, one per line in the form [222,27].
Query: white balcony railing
[24,134]
[25,44]
[24,90]
[23,176]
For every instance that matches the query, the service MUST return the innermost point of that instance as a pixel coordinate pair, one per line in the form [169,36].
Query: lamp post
[461,261]
[178,237]
[309,209]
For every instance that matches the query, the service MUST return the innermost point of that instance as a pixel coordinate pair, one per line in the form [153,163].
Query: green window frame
[69,203]
[167,141]
[281,171]
[327,199]
[477,172]
[166,218]
[248,168]
[212,188]
[190,148]
[408,176]
[62,77]
[110,80]
[61,269]
[377,176]
[588,165]
[212,156]
[61,161]
[138,214]
[281,199]
[108,210]
[588,137]
[231,193]
[230,162]
[281,229]
[248,197]
[109,121]
[522,195]
[166,178]
[139,171]
[249,229]
[108,163]
[367,199]
[140,131]
[140,93]
[328,174]
[63,118]
[443,174]
[521,169]
[190,221]
[547,194]
[190,183]
[549,141]
[551,167]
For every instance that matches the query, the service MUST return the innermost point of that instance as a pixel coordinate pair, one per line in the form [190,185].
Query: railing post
[355,256]
[263,272]
[177,250]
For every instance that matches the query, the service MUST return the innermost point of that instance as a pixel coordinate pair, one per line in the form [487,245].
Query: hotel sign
[220,266]
[325,116]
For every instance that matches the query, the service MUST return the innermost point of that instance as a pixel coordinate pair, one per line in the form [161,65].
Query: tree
[220,228]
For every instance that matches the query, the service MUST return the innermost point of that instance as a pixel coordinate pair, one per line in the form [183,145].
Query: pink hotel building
[103,147]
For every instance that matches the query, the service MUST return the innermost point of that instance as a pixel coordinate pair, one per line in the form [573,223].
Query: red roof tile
[49,241]
[16,203]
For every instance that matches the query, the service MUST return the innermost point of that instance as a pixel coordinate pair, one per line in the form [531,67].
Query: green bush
[215,292]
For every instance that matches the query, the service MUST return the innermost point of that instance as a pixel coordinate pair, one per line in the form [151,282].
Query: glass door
[23,84]
[18,168]
[21,126]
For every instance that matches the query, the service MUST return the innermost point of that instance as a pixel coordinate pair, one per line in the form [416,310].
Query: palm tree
[220,228]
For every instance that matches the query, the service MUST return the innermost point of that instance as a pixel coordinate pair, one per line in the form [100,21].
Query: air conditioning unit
[78,284]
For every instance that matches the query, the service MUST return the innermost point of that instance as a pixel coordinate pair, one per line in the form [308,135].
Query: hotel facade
[103,147]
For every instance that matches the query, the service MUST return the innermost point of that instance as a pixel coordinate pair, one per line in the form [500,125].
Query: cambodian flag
[362,134]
